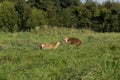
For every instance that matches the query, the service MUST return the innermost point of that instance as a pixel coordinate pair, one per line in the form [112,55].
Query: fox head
[65,39]
[56,44]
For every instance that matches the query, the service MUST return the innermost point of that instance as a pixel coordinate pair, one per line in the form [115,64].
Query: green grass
[97,58]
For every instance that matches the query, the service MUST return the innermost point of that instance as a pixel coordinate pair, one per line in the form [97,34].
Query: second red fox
[72,41]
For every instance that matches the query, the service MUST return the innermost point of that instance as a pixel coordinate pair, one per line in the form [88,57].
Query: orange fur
[72,41]
[49,46]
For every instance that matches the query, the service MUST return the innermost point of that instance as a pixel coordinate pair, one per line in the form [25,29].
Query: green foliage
[24,11]
[68,13]
[37,18]
[8,16]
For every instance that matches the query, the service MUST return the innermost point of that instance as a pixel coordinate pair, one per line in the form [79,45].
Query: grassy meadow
[97,58]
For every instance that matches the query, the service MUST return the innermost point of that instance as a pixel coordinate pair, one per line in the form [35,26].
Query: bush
[37,18]
[8,16]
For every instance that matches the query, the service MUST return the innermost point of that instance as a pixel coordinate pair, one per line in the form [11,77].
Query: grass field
[97,58]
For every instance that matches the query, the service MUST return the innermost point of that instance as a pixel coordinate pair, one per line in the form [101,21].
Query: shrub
[8,16]
[37,18]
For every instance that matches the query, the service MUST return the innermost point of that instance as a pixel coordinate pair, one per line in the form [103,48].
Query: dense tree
[25,15]
[8,16]
[24,11]
[37,18]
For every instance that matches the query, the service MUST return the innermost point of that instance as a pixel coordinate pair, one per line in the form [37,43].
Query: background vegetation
[17,15]
[97,58]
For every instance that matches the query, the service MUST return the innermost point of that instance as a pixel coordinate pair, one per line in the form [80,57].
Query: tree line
[21,15]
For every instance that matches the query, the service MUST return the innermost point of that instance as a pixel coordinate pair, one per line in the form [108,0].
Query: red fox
[49,46]
[72,41]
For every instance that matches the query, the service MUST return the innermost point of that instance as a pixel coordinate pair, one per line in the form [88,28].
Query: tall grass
[97,58]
